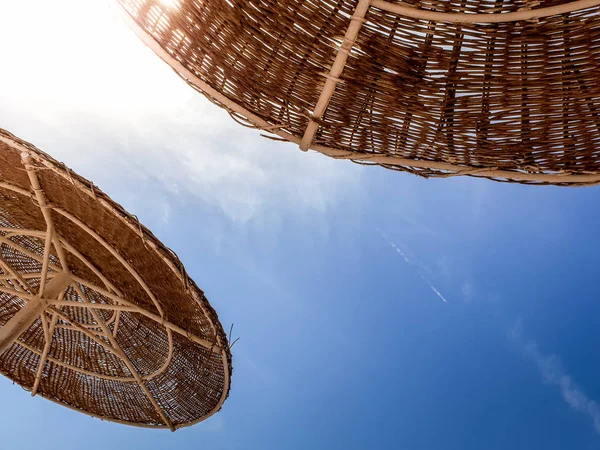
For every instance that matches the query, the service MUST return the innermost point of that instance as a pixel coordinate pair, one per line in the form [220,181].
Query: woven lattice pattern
[131,338]
[514,101]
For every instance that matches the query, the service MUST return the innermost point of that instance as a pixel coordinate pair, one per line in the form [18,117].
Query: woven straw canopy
[95,313]
[504,89]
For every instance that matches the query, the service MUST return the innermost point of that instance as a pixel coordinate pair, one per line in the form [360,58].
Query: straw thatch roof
[149,352]
[504,89]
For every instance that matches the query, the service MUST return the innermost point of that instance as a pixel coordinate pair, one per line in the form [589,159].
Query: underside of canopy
[503,89]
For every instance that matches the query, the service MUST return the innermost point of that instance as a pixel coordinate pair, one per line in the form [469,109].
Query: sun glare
[170,3]
[82,58]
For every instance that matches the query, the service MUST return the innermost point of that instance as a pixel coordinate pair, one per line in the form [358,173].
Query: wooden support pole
[20,322]
[35,306]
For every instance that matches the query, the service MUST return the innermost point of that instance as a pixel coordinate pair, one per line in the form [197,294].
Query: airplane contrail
[410,263]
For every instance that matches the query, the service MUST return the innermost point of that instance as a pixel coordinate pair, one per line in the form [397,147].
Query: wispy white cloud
[553,373]
[409,262]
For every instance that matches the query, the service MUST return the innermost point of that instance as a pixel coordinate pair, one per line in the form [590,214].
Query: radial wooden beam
[117,323]
[46,258]
[43,205]
[26,276]
[101,306]
[356,22]
[58,362]
[90,265]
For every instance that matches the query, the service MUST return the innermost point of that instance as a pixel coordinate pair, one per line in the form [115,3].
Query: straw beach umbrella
[95,313]
[503,89]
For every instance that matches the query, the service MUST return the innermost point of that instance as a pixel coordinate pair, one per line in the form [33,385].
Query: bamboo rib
[41,199]
[95,330]
[25,276]
[48,331]
[96,374]
[336,70]
[102,306]
[71,249]
[86,304]
[12,187]
[19,294]
[117,322]
[80,370]
[58,362]
[46,259]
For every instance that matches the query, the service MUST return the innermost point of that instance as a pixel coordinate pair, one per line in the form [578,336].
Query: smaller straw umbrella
[96,313]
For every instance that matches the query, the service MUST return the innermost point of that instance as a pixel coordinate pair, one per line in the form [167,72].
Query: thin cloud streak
[410,263]
[553,373]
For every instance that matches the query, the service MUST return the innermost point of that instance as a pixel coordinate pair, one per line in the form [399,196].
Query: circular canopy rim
[483,18]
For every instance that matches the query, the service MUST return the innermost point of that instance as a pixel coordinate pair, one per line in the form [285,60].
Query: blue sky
[335,275]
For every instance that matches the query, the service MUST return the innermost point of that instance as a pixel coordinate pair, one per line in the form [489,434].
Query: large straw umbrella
[504,89]
[95,313]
